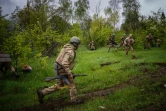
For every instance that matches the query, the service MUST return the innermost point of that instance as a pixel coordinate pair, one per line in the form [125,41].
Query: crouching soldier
[26,68]
[63,66]
[129,41]
[158,42]
[92,45]
[5,64]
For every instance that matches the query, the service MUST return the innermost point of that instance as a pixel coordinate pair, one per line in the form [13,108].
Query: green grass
[18,93]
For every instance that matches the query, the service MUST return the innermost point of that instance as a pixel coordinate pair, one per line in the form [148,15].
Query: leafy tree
[65,10]
[112,17]
[152,24]
[17,48]
[99,32]
[81,9]
[98,9]
[4,29]
[35,11]
[42,41]
[75,30]
[59,24]
[114,5]
[131,15]
[85,26]
[162,16]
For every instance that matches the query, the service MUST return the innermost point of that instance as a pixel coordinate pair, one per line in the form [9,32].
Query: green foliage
[152,25]
[99,32]
[42,60]
[81,9]
[75,30]
[59,24]
[65,9]
[4,28]
[17,47]
[43,41]
[131,14]
[141,93]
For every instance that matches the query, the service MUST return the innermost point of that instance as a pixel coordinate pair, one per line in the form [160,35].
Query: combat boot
[40,96]
[133,57]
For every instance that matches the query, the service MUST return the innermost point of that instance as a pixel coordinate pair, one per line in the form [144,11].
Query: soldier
[63,66]
[149,41]
[122,41]
[112,42]
[6,64]
[92,45]
[129,41]
[158,42]
[26,68]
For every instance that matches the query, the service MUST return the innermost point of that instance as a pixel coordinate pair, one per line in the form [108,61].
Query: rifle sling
[65,78]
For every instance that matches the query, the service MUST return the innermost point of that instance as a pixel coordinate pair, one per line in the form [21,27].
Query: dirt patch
[108,63]
[161,64]
[64,102]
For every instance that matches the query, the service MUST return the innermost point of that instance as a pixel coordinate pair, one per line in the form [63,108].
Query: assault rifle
[64,77]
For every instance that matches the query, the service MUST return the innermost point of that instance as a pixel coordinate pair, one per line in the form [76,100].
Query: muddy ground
[64,102]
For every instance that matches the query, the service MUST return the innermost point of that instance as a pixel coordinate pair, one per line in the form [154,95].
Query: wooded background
[42,27]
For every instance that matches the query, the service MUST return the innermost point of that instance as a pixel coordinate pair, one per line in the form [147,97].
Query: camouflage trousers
[112,45]
[148,45]
[92,47]
[122,45]
[130,47]
[157,44]
[60,85]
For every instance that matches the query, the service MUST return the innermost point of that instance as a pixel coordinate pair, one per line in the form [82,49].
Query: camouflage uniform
[26,68]
[112,43]
[92,46]
[122,42]
[149,41]
[63,66]
[158,42]
[5,64]
[129,41]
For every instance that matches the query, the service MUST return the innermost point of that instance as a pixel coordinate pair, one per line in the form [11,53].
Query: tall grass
[20,92]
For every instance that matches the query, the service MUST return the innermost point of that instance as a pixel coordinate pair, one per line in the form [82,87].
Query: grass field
[126,84]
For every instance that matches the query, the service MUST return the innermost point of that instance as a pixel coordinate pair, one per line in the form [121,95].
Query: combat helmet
[113,34]
[75,39]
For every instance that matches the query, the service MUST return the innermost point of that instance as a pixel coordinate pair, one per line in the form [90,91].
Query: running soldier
[112,43]
[63,66]
[122,41]
[129,41]
[149,41]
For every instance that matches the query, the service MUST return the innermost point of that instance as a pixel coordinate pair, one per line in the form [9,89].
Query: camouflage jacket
[66,60]
[149,38]
[129,41]
[112,40]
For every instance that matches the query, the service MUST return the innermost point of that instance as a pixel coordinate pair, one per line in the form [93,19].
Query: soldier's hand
[70,76]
